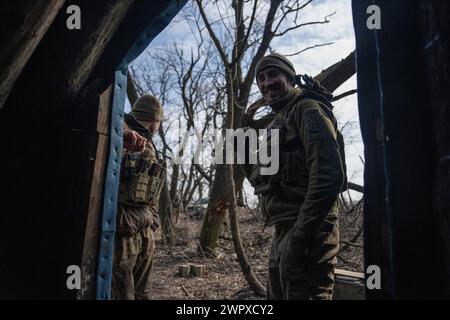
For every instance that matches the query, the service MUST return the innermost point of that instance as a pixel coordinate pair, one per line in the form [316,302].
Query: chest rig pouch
[142,177]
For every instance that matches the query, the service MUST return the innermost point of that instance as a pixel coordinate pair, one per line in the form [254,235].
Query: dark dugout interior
[56,137]
[403,84]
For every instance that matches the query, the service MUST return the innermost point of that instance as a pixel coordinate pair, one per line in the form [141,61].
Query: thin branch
[211,33]
[241,47]
[325,20]
[345,94]
[352,244]
[203,173]
[355,187]
[308,48]
[362,160]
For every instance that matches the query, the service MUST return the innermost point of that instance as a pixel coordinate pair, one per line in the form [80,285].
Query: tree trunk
[131,89]
[165,214]
[186,191]
[246,268]
[215,214]
[174,181]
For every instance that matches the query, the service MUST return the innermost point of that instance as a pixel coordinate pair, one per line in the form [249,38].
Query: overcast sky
[339,31]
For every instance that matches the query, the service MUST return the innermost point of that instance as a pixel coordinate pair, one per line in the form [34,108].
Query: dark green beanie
[279,61]
[147,108]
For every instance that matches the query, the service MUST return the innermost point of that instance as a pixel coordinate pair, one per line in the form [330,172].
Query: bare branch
[243,44]
[325,20]
[203,173]
[264,45]
[131,89]
[352,244]
[335,75]
[212,34]
[308,48]
[355,187]
[345,94]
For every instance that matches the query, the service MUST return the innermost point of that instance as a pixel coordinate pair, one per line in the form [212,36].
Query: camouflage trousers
[133,259]
[313,277]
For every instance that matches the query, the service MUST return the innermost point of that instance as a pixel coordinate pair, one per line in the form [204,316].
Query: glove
[296,247]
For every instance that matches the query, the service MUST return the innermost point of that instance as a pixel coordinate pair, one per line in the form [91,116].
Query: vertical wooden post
[90,248]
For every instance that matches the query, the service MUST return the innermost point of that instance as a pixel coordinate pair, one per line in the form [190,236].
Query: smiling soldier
[300,199]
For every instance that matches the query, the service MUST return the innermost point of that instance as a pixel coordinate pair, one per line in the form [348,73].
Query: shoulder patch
[313,121]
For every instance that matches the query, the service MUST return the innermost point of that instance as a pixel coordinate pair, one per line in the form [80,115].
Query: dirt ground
[222,277]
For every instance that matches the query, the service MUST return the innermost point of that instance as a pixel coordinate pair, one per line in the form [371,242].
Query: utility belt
[141,179]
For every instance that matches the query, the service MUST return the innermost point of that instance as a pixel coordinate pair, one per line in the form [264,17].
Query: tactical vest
[142,177]
[292,177]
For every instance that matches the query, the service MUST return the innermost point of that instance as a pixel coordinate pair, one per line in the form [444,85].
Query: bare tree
[250,40]
[238,81]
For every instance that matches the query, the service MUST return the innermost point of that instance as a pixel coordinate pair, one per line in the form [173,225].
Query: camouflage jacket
[310,174]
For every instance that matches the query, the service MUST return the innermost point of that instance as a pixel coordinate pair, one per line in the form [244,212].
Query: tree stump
[184,270]
[197,270]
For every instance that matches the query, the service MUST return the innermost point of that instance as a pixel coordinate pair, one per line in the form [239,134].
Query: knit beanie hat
[278,61]
[147,108]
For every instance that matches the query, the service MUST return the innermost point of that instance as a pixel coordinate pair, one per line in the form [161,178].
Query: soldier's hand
[132,140]
[154,226]
[296,247]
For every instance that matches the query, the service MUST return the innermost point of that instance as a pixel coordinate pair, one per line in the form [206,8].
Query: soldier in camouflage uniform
[140,184]
[299,200]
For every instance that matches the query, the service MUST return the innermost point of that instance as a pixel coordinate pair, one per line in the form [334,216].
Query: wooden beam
[90,248]
[19,42]
[347,273]
[94,47]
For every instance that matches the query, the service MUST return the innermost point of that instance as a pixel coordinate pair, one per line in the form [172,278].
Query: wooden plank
[19,43]
[104,112]
[347,273]
[90,248]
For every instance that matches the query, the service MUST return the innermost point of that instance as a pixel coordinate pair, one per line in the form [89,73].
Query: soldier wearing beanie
[300,200]
[141,179]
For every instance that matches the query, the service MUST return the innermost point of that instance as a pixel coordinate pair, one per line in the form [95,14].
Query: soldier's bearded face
[272,83]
